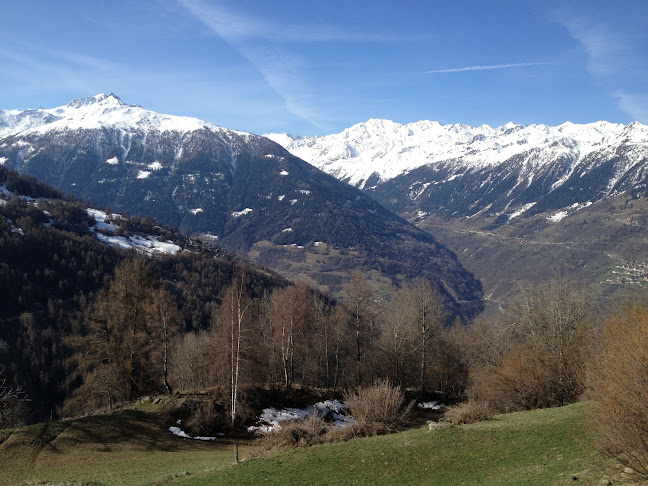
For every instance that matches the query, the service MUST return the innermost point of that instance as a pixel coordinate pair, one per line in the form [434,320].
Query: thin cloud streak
[485,67]
[233,26]
[281,71]
[635,104]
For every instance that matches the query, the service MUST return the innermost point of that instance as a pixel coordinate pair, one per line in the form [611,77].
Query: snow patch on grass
[330,410]
[146,245]
[181,433]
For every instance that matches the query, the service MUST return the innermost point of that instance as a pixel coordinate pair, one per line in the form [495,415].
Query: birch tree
[235,314]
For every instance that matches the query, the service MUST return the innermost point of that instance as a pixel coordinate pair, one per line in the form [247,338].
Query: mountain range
[517,203]
[237,190]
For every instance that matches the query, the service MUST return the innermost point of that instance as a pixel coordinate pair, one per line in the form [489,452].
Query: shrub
[377,408]
[199,416]
[304,432]
[469,412]
[618,386]
[523,382]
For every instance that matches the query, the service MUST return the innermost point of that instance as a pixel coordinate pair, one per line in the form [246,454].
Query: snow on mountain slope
[387,149]
[238,187]
[97,112]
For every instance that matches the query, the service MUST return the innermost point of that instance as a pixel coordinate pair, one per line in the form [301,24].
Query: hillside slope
[545,447]
[244,191]
[517,203]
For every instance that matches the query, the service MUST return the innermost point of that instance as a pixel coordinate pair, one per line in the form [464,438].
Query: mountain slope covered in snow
[460,170]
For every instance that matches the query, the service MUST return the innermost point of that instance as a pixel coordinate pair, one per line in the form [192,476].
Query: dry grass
[469,412]
[294,433]
[378,408]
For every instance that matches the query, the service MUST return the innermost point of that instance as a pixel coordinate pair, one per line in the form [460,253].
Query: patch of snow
[287,230]
[281,198]
[523,209]
[317,243]
[293,201]
[196,211]
[181,433]
[112,161]
[3,160]
[100,218]
[270,156]
[431,405]
[145,245]
[330,410]
[584,205]
[155,165]
[304,191]
[143,174]
[559,216]
[236,214]
[284,173]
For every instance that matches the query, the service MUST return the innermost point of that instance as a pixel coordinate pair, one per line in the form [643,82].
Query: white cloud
[635,104]
[485,67]
[615,57]
[234,26]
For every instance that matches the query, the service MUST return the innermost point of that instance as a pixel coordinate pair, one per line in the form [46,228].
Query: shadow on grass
[135,430]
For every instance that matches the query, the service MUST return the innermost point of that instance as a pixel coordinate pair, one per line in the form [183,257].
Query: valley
[354,243]
[517,204]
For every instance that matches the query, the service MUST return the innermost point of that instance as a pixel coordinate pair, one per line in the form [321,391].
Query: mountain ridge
[381,153]
[538,202]
[244,191]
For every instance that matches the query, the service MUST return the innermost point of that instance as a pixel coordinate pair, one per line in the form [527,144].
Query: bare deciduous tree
[359,300]
[235,327]
[13,407]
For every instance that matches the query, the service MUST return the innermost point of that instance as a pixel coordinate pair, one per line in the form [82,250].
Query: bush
[377,408]
[469,412]
[523,382]
[309,431]
[198,416]
[618,386]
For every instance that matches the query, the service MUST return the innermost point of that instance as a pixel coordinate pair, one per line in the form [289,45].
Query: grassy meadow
[545,447]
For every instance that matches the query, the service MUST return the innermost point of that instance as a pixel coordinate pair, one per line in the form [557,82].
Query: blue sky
[318,67]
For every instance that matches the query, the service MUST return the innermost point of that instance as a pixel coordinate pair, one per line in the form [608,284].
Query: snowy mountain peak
[99,111]
[101,98]
[387,149]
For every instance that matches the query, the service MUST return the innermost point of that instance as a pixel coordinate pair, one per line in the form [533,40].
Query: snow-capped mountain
[245,191]
[462,170]
[96,112]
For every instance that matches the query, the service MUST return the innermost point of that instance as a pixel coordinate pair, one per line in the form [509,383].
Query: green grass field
[546,447]
[128,447]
